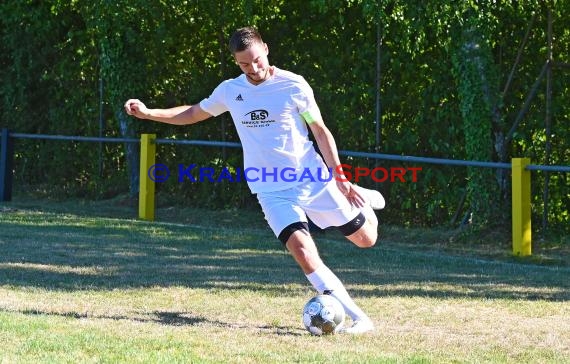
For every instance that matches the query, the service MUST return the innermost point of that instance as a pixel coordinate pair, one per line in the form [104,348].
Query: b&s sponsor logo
[257,119]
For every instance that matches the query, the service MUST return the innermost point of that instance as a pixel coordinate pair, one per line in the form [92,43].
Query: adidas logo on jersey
[239,98]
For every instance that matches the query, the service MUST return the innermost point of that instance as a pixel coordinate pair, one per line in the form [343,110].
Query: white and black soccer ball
[323,315]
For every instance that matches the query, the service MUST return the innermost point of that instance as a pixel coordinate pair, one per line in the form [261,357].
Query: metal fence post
[146,187]
[521,193]
[6,165]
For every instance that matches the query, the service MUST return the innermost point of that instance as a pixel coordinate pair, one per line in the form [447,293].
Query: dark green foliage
[443,69]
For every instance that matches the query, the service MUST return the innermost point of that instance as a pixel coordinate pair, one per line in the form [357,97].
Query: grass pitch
[218,287]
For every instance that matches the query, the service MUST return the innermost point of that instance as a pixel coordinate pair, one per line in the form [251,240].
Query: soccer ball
[323,315]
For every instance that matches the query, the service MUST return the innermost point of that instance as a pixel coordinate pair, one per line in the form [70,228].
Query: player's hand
[136,108]
[351,193]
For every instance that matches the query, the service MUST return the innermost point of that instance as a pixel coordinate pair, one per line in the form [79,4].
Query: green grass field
[83,282]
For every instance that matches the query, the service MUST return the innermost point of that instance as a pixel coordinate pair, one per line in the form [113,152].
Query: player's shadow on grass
[170,318]
[160,317]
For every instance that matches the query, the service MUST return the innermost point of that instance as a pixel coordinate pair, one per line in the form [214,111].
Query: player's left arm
[327,147]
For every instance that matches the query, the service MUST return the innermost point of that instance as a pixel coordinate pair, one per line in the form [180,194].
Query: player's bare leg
[303,249]
[366,236]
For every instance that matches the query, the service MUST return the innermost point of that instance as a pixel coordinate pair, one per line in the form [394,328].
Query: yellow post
[146,185]
[522,235]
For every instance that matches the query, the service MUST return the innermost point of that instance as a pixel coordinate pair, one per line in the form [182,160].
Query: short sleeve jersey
[270,119]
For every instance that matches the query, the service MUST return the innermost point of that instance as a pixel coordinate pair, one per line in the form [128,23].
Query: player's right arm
[179,115]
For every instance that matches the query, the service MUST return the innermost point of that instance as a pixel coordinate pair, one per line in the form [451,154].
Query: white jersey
[268,120]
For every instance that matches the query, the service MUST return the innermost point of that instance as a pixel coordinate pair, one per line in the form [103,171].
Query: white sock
[323,279]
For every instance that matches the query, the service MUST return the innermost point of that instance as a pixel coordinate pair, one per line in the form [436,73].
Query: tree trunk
[132,153]
[473,69]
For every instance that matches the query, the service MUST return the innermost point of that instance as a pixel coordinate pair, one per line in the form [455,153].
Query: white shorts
[322,202]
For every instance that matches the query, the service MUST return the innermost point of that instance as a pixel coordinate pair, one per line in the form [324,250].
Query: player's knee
[362,233]
[371,240]
[368,240]
[366,237]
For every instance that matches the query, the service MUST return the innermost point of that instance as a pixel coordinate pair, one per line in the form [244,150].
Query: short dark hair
[244,38]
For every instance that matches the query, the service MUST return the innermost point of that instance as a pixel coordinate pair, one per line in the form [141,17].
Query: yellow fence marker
[522,234]
[146,185]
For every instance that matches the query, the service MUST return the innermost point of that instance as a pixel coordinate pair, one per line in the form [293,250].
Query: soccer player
[272,110]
